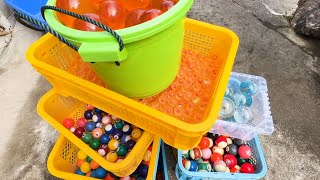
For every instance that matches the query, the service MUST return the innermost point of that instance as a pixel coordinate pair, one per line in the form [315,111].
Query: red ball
[184,161]
[204,143]
[79,132]
[234,170]
[247,168]
[195,153]
[230,160]
[81,122]
[90,107]
[221,142]
[68,123]
[245,152]
[103,150]
[216,156]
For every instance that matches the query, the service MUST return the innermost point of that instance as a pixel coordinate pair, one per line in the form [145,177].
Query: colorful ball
[221,142]
[68,123]
[117,134]
[204,167]
[80,162]
[191,166]
[99,125]
[89,159]
[249,87]
[230,160]
[241,160]
[88,114]
[119,124]
[93,174]
[239,142]
[127,129]
[245,152]
[125,178]
[227,170]
[217,149]
[195,153]
[96,118]
[100,173]
[204,143]
[94,144]
[219,166]
[147,155]
[232,149]
[216,156]
[112,156]
[229,141]
[105,138]
[81,122]
[79,132]
[87,137]
[79,172]
[97,110]
[184,161]
[97,133]
[130,144]
[114,117]
[94,164]
[210,143]
[136,133]
[110,176]
[73,129]
[234,170]
[206,153]
[247,168]
[125,138]
[90,107]
[143,170]
[122,151]
[109,129]
[113,144]
[106,120]
[85,167]
[90,126]
[103,149]
[185,154]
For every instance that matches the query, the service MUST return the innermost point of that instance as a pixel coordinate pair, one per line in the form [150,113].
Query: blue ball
[100,173]
[143,170]
[235,83]
[80,172]
[239,99]
[109,128]
[96,118]
[117,134]
[90,126]
[93,174]
[130,144]
[98,111]
[104,139]
[248,99]
[193,166]
[88,114]
[125,138]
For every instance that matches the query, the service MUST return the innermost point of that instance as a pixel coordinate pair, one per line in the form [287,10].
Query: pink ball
[219,166]
[97,133]
[206,153]
[245,152]
[125,178]
[106,120]
[81,122]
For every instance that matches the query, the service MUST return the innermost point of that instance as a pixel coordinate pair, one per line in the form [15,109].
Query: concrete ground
[268,48]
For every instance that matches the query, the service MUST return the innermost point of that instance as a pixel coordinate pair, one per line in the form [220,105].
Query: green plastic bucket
[150,60]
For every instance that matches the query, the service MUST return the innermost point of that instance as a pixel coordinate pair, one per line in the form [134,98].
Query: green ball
[87,137]
[94,144]
[119,124]
[204,167]
[185,154]
[198,161]
[241,161]
[89,159]
[122,151]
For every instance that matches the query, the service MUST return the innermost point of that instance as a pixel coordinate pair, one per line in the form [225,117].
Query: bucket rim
[128,35]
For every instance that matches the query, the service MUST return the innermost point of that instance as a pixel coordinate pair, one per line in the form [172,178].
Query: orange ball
[216,156]
[135,4]
[133,17]
[80,162]
[94,165]
[112,13]
[86,26]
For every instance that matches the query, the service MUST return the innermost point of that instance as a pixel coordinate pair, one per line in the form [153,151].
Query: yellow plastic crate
[51,58]
[62,161]
[54,108]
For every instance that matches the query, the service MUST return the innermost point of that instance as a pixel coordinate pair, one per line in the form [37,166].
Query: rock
[306,19]
[5,26]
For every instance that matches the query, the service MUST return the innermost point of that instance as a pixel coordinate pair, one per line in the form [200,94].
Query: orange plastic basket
[51,58]
[63,159]
[54,108]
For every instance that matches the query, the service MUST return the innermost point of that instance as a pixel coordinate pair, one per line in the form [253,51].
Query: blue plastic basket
[162,162]
[260,167]
[30,8]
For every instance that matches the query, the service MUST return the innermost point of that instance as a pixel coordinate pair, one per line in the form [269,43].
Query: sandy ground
[268,48]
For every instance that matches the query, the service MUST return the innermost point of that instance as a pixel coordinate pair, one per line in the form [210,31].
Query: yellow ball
[112,156]
[82,155]
[136,133]
[147,156]
[113,144]
[85,167]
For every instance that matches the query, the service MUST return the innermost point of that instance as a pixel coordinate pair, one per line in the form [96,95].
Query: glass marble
[227,108]
[243,115]
[249,87]
[235,83]
[239,99]
[229,92]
